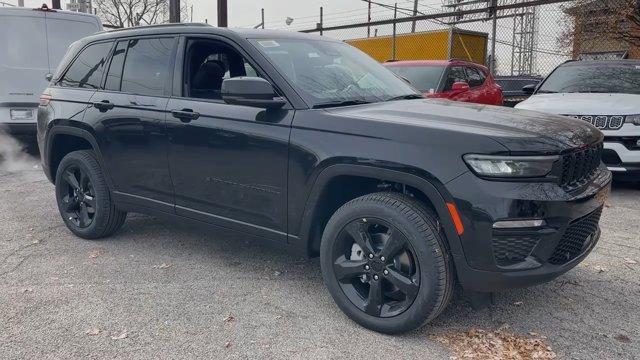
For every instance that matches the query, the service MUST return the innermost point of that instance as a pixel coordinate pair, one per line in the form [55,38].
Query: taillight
[45,99]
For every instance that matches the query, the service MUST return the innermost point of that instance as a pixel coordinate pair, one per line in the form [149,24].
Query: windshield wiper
[406,97]
[339,103]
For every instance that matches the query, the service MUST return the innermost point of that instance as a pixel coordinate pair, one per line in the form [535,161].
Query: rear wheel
[385,263]
[83,197]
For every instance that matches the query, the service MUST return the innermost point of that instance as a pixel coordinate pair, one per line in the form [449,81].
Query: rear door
[23,63]
[128,116]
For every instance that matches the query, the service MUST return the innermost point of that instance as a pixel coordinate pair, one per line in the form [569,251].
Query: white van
[32,43]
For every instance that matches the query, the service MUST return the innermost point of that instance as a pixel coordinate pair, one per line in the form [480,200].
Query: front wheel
[384,262]
[83,197]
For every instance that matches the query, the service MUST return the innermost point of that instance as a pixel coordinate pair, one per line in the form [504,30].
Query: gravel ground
[158,290]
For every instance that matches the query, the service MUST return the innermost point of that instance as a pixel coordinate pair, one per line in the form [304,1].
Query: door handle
[104,105]
[185,115]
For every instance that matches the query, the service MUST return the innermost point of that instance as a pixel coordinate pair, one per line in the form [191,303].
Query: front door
[228,162]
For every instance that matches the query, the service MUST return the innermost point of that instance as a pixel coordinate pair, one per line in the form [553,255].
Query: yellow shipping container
[430,45]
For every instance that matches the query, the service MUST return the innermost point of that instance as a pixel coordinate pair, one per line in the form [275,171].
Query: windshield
[327,72]
[593,78]
[424,78]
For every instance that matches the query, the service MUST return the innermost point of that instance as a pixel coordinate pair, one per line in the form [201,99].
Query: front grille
[574,239]
[602,122]
[509,250]
[579,167]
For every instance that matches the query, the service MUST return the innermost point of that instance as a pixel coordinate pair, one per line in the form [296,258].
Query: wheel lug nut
[367,267]
[386,272]
[382,258]
[376,277]
[370,256]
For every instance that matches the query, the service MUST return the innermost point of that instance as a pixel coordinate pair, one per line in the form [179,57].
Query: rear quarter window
[86,70]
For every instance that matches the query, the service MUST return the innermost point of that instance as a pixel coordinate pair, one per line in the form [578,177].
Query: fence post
[395,15]
[415,13]
[369,17]
[492,65]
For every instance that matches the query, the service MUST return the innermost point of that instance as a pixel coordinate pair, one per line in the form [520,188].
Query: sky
[305,14]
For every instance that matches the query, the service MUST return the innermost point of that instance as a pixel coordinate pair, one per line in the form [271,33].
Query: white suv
[604,93]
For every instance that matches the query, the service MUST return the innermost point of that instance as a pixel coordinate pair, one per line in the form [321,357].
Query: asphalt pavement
[161,290]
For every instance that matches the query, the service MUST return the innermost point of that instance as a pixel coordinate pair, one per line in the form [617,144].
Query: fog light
[21,114]
[514,224]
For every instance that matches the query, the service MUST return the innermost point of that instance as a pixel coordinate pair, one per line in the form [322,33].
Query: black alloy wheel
[83,196]
[79,200]
[376,267]
[385,262]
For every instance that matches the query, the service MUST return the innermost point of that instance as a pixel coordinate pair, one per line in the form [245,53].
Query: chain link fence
[532,37]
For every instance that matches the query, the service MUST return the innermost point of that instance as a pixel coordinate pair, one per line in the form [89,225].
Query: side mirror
[48,77]
[529,89]
[250,91]
[460,86]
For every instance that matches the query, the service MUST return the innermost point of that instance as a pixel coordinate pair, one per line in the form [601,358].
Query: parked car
[457,80]
[33,42]
[512,87]
[604,93]
[321,152]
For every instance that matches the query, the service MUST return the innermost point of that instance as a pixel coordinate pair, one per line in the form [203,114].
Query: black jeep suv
[310,145]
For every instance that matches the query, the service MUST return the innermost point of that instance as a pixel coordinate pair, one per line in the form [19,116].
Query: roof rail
[160,26]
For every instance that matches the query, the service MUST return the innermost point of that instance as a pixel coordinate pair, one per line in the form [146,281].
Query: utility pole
[174,11]
[369,18]
[222,13]
[320,23]
[55,4]
[415,13]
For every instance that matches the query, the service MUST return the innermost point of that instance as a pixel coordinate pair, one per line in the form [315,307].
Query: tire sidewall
[74,160]
[428,257]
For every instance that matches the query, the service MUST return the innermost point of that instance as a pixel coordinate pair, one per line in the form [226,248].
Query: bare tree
[127,13]
[617,20]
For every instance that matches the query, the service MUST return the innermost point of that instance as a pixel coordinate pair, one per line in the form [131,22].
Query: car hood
[583,104]
[520,131]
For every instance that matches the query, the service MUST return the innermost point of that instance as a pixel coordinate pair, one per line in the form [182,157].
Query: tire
[80,183]
[428,266]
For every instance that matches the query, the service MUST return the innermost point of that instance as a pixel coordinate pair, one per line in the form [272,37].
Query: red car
[457,80]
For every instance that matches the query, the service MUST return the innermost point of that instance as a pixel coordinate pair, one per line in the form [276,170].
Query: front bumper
[494,259]
[620,159]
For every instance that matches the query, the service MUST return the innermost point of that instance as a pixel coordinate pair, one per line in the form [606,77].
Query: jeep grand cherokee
[312,146]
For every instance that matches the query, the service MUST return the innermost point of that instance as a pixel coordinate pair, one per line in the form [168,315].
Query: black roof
[196,28]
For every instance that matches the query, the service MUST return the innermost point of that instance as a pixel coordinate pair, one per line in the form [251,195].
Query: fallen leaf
[499,344]
[630,261]
[163,266]
[607,205]
[121,336]
[93,332]
[622,338]
[227,344]
[600,269]
[229,318]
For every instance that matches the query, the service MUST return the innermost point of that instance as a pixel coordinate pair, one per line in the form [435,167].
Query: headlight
[510,166]
[633,119]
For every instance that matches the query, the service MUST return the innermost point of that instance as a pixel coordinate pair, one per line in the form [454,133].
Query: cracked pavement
[161,290]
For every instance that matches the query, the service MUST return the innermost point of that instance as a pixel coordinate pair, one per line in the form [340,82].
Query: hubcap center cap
[376,265]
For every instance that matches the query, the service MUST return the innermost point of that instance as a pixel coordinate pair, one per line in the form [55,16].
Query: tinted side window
[456,74]
[147,67]
[476,77]
[114,75]
[86,69]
